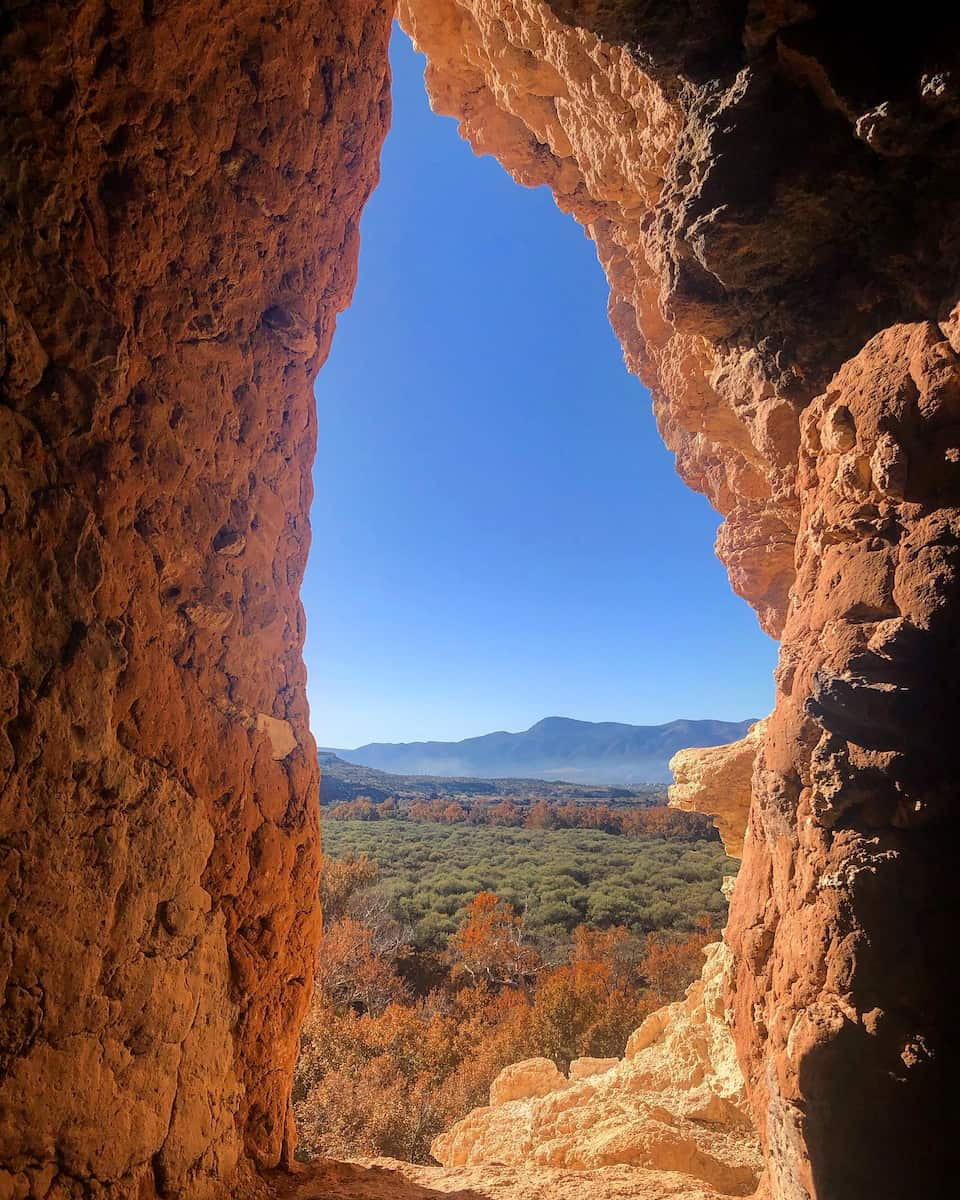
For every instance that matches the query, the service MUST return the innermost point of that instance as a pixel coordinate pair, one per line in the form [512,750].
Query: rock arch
[772,190]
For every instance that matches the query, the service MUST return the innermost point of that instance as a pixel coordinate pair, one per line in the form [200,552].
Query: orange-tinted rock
[388,1179]
[181,185]
[583,1068]
[842,999]
[718,781]
[675,1103]
[524,1080]
[767,211]
[771,189]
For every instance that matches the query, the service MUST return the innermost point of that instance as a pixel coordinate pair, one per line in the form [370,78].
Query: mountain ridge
[553,748]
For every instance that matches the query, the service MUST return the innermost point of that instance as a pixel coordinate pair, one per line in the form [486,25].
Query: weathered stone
[583,1068]
[388,1179]
[841,999]
[283,741]
[771,188]
[718,780]
[677,1102]
[173,176]
[522,1080]
[767,214]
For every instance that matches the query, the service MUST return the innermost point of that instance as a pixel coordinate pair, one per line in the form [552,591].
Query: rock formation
[676,1102]
[718,781]
[181,185]
[524,1080]
[388,1179]
[772,190]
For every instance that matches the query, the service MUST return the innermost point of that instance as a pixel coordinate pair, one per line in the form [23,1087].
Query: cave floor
[389,1179]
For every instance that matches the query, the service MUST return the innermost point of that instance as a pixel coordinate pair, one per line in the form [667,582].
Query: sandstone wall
[772,188]
[847,897]
[180,185]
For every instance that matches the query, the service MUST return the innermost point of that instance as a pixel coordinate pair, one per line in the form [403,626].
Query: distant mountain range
[341,780]
[601,752]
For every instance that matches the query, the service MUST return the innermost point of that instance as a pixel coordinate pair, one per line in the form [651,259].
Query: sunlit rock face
[847,897]
[181,184]
[771,189]
[718,781]
[676,1102]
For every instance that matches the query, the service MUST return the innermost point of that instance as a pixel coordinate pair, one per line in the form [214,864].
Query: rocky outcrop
[524,1080]
[718,781]
[676,1102]
[583,1068]
[847,893]
[771,188]
[181,184]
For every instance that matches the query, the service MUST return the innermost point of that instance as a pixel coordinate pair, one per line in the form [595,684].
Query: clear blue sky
[498,532]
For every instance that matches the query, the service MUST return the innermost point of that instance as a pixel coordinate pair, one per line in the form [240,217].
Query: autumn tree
[671,963]
[354,971]
[340,880]
[504,813]
[616,949]
[568,815]
[541,816]
[491,944]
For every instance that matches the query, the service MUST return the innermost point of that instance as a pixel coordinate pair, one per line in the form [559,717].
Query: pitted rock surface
[181,185]
[772,189]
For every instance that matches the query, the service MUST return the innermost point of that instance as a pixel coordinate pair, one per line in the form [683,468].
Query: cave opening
[772,193]
[499,534]
[485,554]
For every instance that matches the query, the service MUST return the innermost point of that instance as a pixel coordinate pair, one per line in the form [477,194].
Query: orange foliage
[382,1072]
[669,963]
[340,878]
[651,821]
[351,972]
[542,816]
[504,813]
[491,944]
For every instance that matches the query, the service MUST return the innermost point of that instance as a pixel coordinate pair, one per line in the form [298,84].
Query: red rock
[772,192]
[181,186]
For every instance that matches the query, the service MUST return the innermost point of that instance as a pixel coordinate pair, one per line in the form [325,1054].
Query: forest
[559,878]
[450,951]
[532,812]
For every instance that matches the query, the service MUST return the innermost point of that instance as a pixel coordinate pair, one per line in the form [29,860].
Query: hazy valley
[556,748]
